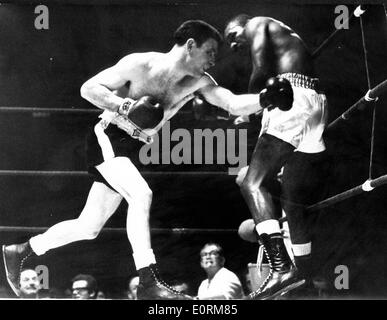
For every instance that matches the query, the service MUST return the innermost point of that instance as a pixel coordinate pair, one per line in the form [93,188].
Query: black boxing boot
[305,271]
[151,287]
[14,257]
[283,275]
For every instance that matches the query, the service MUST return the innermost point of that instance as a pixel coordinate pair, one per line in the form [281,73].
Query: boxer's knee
[143,193]
[88,230]
[134,189]
[241,175]
[248,187]
[139,204]
[147,194]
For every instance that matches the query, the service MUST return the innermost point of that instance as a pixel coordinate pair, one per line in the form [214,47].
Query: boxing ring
[366,101]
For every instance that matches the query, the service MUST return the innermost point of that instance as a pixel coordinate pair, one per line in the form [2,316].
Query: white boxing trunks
[303,125]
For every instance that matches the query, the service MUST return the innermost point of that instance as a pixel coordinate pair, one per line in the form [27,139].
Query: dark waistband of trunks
[300,80]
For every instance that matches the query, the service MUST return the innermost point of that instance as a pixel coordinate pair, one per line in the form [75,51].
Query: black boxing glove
[277,94]
[145,113]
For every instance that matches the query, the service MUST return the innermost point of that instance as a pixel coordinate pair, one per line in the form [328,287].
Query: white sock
[268,226]
[37,245]
[302,249]
[144,258]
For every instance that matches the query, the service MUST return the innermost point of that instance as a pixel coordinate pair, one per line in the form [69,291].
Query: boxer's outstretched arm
[99,89]
[239,105]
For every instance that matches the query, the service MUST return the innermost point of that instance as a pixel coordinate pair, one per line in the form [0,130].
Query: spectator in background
[84,287]
[221,283]
[29,284]
[101,295]
[132,288]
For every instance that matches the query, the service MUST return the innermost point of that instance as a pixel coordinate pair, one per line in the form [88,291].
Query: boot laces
[163,284]
[263,285]
[23,260]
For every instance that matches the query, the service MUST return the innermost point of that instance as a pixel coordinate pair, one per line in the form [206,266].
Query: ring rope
[362,103]
[31,173]
[356,13]
[372,142]
[123,230]
[367,186]
[371,96]
[17,109]
[48,110]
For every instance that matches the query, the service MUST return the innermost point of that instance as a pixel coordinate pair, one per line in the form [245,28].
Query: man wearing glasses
[84,287]
[221,283]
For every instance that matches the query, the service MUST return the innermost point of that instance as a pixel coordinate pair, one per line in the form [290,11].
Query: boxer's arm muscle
[243,104]
[99,89]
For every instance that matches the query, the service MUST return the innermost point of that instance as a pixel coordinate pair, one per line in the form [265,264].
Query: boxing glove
[278,93]
[145,113]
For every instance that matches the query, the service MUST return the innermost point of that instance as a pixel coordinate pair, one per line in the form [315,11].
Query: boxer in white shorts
[290,139]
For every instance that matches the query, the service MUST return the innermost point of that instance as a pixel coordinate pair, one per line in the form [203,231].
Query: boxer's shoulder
[206,80]
[257,22]
[144,60]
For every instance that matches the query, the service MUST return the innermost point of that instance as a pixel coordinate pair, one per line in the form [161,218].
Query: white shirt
[225,282]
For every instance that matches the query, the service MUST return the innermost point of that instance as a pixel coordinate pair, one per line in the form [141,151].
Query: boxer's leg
[302,181]
[124,177]
[100,205]
[269,156]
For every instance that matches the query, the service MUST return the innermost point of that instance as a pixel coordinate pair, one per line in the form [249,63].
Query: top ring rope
[16,109]
[356,13]
[42,173]
[370,97]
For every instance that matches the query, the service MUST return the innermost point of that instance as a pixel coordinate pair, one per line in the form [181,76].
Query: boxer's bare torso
[152,76]
[171,78]
[275,49]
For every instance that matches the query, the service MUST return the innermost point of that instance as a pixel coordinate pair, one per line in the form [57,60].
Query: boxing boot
[14,257]
[151,287]
[283,275]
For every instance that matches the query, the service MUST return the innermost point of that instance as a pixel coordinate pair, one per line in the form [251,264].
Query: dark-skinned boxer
[139,95]
[289,139]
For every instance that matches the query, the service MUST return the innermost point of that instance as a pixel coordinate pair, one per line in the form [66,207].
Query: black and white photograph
[206,151]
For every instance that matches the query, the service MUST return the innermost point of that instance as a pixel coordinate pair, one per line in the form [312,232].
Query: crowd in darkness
[218,282]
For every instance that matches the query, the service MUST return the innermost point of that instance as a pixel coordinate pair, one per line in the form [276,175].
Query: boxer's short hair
[198,30]
[240,19]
